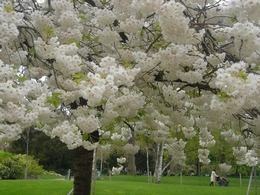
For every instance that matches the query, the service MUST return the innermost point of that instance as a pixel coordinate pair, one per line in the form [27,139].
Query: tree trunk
[82,170]
[158,163]
[101,163]
[131,167]
[198,167]
[147,165]
[250,181]
[94,173]
[158,180]
[27,140]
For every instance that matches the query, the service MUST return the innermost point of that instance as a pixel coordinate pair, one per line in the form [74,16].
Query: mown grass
[127,185]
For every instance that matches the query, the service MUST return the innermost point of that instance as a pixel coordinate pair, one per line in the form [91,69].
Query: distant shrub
[14,167]
[10,168]
[4,155]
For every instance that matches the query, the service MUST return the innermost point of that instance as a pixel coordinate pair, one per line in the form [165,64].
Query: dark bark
[91,2]
[131,165]
[82,170]
[198,167]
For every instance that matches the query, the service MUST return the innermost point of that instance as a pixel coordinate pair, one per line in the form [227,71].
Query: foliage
[4,155]
[13,167]
[57,159]
[10,168]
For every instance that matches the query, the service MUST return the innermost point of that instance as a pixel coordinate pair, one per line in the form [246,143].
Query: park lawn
[127,185]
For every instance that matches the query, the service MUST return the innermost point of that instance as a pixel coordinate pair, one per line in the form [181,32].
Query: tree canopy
[95,70]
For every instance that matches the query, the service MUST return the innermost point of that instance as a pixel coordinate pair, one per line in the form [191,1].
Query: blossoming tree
[80,69]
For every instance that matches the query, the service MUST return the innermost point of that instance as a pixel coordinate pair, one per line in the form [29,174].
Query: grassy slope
[124,185]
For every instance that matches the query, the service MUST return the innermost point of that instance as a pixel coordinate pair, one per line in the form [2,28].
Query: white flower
[121,160]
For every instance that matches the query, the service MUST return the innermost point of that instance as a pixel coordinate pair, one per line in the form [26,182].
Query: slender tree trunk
[240,179]
[181,177]
[158,164]
[198,167]
[147,165]
[101,162]
[94,173]
[250,181]
[82,170]
[27,140]
[255,178]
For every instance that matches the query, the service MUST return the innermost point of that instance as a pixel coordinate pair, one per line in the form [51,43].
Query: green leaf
[79,76]
[32,51]
[240,74]
[22,78]
[54,99]
[256,68]
[127,63]
[223,96]
[8,8]
[82,17]
[234,19]
[89,37]
[193,93]
[85,136]
[48,31]
[72,40]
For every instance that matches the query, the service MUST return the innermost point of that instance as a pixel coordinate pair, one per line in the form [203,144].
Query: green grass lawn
[127,185]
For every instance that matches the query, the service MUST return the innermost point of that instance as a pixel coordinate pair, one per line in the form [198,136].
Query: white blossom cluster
[68,27]
[146,7]
[206,138]
[126,105]
[117,170]
[175,57]
[245,156]
[9,133]
[103,17]
[124,134]
[88,124]
[176,150]
[244,10]
[243,33]
[131,149]
[66,59]
[175,26]
[132,25]
[75,69]
[9,20]
[224,168]
[203,156]
[236,85]
[189,132]
[230,136]
[174,97]
[68,134]
[121,160]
